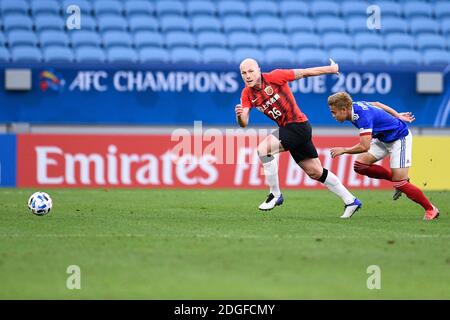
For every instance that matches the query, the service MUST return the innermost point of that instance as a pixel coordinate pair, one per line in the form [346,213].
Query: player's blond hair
[340,100]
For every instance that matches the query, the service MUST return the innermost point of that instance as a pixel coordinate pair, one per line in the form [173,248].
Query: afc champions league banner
[165,161]
[178,95]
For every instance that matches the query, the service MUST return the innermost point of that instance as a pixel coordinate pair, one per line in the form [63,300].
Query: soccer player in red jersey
[270,94]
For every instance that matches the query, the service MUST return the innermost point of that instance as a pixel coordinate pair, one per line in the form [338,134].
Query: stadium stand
[217,55]
[153,55]
[228,25]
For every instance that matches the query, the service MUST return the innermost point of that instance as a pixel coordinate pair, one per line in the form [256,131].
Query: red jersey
[275,98]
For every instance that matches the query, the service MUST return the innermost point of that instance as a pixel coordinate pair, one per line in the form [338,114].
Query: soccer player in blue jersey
[383,131]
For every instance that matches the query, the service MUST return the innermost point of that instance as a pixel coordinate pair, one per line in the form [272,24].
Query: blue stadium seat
[375,56]
[153,55]
[174,23]
[357,24]
[436,57]
[217,55]
[231,7]
[424,25]
[48,14]
[14,7]
[298,8]
[269,40]
[148,39]
[22,38]
[107,7]
[368,41]
[117,39]
[143,23]
[185,55]
[169,7]
[442,10]
[177,39]
[4,55]
[242,39]
[344,56]
[390,8]
[2,40]
[305,40]
[445,26]
[122,55]
[45,7]
[280,56]
[324,8]
[85,38]
[237,23]
[354,9]
[17,22]
[415,9]
[88,23]
[53,38]
[312,57]
[211,39]
[139,7]
[394,25]
[26,54]
[267,8]
[49,22]
[399,41]
[111,23]
[298,24]
[206,23]
[85,6]
[334,40]
[267,23]
[430,41]
[58,54]
[406,56]
[90,55]
[329,24]
[243,53]
[200,7]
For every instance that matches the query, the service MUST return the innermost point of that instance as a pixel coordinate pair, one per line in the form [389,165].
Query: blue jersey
[377,122]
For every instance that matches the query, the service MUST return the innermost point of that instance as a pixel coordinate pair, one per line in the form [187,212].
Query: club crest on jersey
[268,90]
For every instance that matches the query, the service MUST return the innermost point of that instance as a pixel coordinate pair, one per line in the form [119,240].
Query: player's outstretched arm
[333,68]
[361,147]
[405,116]
[242,115]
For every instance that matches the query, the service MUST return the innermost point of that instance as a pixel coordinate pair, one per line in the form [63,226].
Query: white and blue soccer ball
[40,203]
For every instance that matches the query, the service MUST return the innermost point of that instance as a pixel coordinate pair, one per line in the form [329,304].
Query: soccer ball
[40,203]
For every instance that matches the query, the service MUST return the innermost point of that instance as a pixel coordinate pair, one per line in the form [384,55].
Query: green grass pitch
[215,244]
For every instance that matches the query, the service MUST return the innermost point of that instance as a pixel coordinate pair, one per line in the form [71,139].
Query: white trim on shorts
[400,151]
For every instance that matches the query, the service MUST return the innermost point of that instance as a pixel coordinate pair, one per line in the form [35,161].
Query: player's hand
[336,152]
[335,66]
[407,117]
[238,109]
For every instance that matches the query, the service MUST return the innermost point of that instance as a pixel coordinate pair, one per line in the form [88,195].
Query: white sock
[271,174]
[335,185]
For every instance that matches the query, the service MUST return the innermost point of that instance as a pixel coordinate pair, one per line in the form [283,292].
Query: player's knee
[314,173]
[359,167]
[264,156]
[261,150]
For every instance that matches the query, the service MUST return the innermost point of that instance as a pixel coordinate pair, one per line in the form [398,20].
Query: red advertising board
[162,161]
